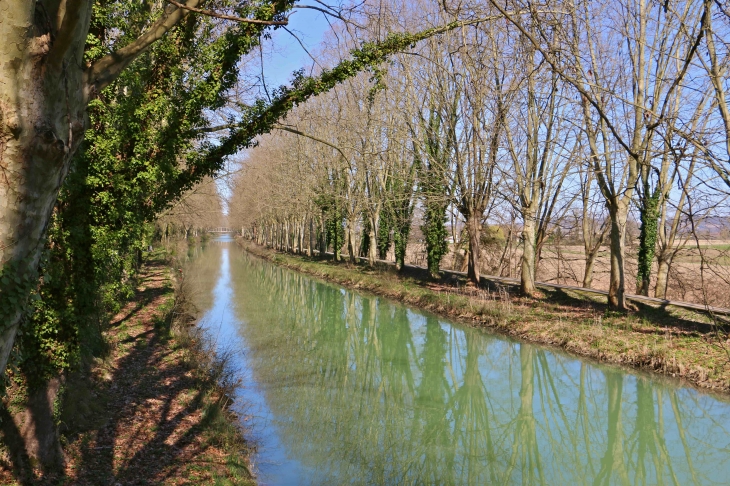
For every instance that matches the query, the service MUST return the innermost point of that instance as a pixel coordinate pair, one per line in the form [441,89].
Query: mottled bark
[42,112]
[372,235]
[527,274]
[590,258]
[473,227]
[616,289]
[662,277]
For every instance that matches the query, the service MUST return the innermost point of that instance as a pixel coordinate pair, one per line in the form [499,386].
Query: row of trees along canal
[105,112]
[579,117]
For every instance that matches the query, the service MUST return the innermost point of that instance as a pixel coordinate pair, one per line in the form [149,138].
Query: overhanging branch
[101,73]
[263,116]
[217,15]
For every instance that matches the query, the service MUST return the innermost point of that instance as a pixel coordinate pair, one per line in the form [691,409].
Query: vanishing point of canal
[346,388]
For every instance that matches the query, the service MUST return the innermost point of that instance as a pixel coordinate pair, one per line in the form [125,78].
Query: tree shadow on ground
[142,299]
[151,418]
[152,411]
[659,316]
[16,460]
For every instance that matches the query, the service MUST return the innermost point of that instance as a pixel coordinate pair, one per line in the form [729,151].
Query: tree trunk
[616,289]
[42,114]
[31,433]
[527,275]
[351,247]
[301,231]
[474,230]
[284,237]
[293,236]
[373,248]
[588,273]
[372,235]
[322,238]
[649,208]
[311,237]
[662,276]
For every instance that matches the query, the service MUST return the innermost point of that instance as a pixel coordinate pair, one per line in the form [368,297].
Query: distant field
[566,264]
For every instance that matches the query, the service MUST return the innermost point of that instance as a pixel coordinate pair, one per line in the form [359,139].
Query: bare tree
[625,94]
[539,140]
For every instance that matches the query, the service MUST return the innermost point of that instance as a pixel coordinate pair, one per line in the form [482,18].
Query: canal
[341,387]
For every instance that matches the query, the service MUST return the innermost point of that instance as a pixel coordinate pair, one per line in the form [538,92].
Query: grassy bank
[668,341]
[155,409]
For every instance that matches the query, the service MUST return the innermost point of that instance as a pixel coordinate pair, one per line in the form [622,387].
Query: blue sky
[283,54]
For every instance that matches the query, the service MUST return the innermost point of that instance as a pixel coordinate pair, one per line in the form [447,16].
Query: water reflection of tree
[431,430]
[525,449]
[613,459]
[374,393]
[472,428]
[205,266]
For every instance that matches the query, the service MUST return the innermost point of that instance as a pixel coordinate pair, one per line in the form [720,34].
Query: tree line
[588,111]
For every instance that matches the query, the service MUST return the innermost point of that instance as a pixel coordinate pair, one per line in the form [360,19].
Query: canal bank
[343,386]
[154,409]
[677,343]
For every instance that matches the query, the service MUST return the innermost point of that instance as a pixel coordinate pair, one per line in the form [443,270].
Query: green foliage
[400,241]
[435,234]
[647,236]
[400,208]
[335,231]
[48,339]
[131,166]
[434,189]
[16,284]
[385,226]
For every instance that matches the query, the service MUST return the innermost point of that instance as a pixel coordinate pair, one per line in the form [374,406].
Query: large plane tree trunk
[373,245]
[662,276]
[42,111]
[45,87]
[351,243]
[529,255]
[617,284]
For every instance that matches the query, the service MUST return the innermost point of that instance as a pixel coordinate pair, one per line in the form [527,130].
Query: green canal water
[346,388]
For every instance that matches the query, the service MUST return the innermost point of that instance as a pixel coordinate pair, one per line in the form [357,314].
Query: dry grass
[566,265]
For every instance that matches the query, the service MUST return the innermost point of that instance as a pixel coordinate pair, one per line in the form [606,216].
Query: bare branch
[218,128]
[217,15]
[301,44]
[316,139]
[328,12]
